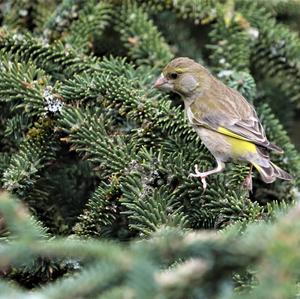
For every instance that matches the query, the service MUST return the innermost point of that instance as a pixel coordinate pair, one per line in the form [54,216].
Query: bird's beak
[161,80]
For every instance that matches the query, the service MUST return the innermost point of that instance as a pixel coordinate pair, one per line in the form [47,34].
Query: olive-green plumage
[226,123]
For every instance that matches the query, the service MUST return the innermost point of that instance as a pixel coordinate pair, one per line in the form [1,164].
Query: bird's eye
[173,76]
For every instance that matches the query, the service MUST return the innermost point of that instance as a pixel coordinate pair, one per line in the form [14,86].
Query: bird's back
[224,109]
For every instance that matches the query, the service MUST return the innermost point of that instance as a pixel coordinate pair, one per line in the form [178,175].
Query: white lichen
[53,103]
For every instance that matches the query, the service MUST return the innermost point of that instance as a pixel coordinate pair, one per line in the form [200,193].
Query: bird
[225,121]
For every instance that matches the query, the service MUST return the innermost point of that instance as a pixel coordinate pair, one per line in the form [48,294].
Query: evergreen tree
[92,156]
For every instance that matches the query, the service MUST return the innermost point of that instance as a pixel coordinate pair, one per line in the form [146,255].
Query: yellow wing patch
[240,146]
[229,133]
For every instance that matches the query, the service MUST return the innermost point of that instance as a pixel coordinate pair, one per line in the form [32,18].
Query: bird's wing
[250,130]
[228,120]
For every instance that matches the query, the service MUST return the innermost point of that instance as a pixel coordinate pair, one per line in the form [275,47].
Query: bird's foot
[200,175]
[248,182]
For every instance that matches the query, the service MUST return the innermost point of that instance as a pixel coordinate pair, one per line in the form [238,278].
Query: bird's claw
[204,183]
[200,175]
[196,174]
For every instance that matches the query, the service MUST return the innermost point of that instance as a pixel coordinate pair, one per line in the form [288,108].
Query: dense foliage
[100,159]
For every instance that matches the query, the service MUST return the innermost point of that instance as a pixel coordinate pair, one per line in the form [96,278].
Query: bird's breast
[216,143]
[189,114]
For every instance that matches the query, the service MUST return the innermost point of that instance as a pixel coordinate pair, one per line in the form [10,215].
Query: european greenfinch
[226,123]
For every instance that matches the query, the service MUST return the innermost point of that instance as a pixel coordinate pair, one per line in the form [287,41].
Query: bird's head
[183,76]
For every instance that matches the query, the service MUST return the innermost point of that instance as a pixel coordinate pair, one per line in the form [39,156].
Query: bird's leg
[248,179]
[203,175]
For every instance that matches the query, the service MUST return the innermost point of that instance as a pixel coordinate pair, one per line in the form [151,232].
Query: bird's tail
[271,172]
